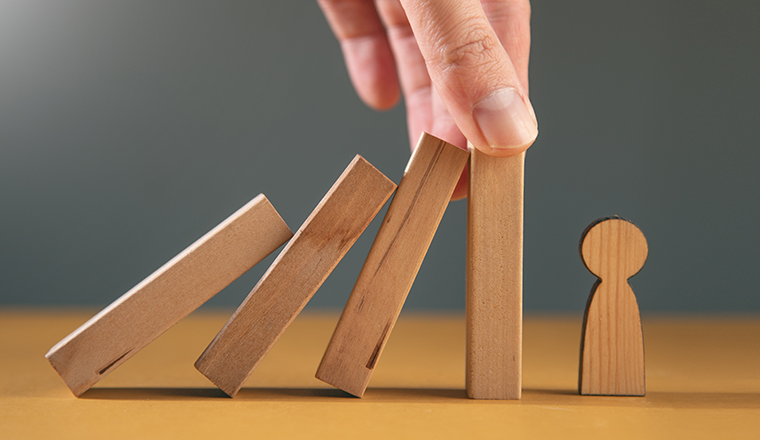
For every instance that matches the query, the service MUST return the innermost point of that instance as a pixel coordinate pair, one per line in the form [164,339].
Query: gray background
[128,128]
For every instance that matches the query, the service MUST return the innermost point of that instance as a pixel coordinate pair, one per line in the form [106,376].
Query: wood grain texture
[612,344]
[393,262]
[494,276]
[168,295]
[302,266]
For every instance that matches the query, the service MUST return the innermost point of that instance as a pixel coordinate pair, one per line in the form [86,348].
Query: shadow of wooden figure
[612,344]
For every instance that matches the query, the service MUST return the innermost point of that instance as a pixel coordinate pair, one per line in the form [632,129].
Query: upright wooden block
[168,295]
[392,264]
[494,276]
[296,274]
[612,344]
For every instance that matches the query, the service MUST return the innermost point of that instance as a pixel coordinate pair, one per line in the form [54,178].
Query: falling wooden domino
[612,344]
[394,259]
[296,274]
[168,295]
[494,276]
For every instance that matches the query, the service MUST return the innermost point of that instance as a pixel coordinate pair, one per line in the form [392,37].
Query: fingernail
[505,120]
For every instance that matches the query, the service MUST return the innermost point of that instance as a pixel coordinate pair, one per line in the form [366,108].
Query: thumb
[473,73]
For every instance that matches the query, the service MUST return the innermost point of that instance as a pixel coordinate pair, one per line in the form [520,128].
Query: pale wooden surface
[302,266]
[169,294]
[702,375]
[392,264]
[612,350]
[494,276]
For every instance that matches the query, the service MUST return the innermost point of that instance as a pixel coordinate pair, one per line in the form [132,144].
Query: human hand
[462,66]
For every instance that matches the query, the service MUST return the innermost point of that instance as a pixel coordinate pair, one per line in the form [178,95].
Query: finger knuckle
[477,50]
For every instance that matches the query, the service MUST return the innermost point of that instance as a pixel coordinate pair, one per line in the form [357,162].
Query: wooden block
[168,295]
[296,274]
[392,264]
[612,344]
[494,276]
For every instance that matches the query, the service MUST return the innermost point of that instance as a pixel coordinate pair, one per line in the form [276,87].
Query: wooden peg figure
[612,344]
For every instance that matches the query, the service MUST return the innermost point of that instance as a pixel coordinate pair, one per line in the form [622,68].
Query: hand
[462,66]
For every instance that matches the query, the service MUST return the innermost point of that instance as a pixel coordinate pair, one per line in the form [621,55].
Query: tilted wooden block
[612,343]
[494,276]
[394,259]
[296,274]
[168,295]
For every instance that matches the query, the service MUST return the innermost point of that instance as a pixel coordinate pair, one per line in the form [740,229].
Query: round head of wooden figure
[613,247]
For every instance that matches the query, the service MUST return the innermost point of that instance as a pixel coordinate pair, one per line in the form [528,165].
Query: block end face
[226,386]
[352,389]
[76,385]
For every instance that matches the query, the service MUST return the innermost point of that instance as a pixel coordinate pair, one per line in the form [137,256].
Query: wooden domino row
[494,272]
[295,276]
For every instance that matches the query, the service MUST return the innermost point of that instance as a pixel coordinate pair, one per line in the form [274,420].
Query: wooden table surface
[703,381]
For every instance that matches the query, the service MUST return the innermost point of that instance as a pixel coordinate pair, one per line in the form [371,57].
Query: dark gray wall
[128,128]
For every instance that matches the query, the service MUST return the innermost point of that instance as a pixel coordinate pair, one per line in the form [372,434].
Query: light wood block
[612,344]
[296,274]
[392,264]
[494,276]
[168,295]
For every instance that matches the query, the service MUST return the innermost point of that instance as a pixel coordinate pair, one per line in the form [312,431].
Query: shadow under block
[392,264]
[169,294]
[494,276]
[612,345]
[302,266]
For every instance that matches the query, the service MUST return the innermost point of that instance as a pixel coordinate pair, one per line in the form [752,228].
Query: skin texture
[450,59]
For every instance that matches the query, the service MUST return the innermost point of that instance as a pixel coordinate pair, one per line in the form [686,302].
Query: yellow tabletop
[703,381]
